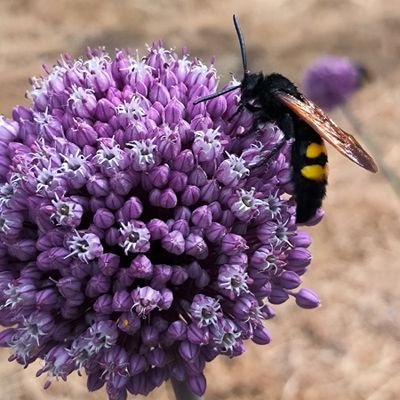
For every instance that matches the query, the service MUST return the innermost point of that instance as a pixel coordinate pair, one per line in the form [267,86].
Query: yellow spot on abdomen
[314,172]
[314,150]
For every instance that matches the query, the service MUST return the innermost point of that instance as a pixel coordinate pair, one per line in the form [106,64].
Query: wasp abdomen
[315,150]
[310,171]
[315,161]
[314,172]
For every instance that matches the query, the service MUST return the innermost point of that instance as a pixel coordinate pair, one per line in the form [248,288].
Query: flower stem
[387,172]
[182,392]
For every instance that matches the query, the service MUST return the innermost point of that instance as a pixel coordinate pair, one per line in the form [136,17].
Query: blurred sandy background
[350,347]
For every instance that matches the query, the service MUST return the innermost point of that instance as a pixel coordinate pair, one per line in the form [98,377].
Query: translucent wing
[328,130]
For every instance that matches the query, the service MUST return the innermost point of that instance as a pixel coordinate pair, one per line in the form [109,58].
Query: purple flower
[86,247]
[139,238]
[330,81]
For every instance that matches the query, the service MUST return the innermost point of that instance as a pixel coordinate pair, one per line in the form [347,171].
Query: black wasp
[275,98]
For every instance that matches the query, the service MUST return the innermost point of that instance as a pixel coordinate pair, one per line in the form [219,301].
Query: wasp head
[251,88]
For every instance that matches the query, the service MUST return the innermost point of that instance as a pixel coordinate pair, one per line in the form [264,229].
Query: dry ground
[349,348]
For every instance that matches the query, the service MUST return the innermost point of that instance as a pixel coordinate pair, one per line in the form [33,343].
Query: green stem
[387,172]
[182,392]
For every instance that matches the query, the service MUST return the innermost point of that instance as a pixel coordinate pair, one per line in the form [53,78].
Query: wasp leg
[287,127]
[252,108]
[238,110]
[273,152]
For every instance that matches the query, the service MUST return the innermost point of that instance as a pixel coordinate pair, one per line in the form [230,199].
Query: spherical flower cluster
[141,236]
[330,81]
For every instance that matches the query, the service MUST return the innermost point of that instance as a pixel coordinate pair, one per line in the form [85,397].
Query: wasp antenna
[241,43]
[217,94]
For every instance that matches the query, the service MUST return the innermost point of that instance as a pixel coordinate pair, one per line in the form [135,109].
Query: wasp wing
[328,130]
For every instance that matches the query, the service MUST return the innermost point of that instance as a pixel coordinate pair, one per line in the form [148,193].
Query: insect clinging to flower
[273,97]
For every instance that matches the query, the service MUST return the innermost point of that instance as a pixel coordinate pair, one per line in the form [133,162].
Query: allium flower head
[141,235]
[331,80]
